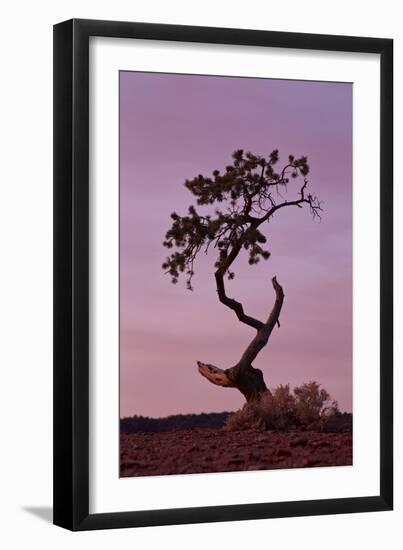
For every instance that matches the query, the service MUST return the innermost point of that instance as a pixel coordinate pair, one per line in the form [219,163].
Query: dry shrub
[313,403]
[308,406]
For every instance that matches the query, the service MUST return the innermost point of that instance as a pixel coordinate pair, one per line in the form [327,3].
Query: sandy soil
[201,450]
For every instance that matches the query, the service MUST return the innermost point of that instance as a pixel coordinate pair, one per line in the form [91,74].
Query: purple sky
[173,127]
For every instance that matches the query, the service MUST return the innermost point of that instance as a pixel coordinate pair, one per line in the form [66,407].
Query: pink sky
[173,127]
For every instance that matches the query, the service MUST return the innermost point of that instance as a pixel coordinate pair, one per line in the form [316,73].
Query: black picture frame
[71,274]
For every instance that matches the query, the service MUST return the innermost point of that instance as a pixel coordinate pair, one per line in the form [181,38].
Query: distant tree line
[246,418]
[170,423]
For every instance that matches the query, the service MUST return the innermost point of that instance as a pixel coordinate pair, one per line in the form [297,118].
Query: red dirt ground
[201,450]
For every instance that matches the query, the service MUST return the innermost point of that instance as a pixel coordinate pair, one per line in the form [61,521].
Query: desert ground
[201,450]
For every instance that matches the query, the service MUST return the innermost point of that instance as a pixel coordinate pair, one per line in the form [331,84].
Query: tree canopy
[244,196]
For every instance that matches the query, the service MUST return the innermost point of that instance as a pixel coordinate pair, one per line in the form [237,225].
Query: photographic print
[235,274]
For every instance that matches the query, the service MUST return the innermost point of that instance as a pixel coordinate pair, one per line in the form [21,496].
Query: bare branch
[233,304]
[215,375]
[263,334]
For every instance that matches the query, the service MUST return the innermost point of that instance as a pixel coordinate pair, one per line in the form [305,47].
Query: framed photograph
[223,321]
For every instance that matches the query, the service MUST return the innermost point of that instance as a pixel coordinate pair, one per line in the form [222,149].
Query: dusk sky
[174,127]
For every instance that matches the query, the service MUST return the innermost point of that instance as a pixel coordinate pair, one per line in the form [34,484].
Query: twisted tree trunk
[243,376]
